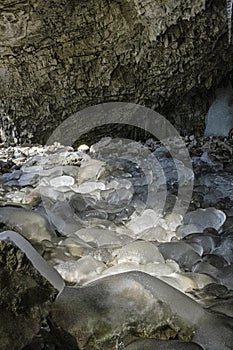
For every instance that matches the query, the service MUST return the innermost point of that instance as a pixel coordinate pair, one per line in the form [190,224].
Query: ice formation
[28,223]
[209,217]
[229,18]
[102,231]
[45,269]
[139,252]
[220,114]
[111,306]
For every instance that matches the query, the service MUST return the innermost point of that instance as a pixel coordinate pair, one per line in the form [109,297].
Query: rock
[109,310]
[181,252]
[25,296]
[54,63]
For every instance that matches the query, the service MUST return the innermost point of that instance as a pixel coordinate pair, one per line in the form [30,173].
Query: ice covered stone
[179,281]
[72,246]
[46,191]
[80,271]
[28,179]
[17,197]
[101,237]
[122,267]
[225,248]
[153,269]
[217,186]
[63,218]
[136,303]
[132,300]
[157,233]
[181,252]
[51,172]
[90,186]
[209,217]
[90,169]
[30,224]
[171,221]
[148,219]
[139,252]
[185,230]
[61,181]
[83,148]
[161,269]
[122,188]
[200,279]
[203,243]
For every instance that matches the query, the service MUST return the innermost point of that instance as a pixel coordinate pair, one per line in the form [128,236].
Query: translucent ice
[209,217]
[181,252]
[172,221]
[157,233]
[139,252]
[90,170]
[38,262]
[63,180]
[131,298]
[225,248]
[147,220]
[185,230]
[101,237]
[161,269]
[179,281]
[30,224]
[220,114]
[80,271]
[135,302]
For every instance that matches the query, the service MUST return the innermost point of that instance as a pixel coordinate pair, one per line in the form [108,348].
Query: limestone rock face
[25,298]
[59,57]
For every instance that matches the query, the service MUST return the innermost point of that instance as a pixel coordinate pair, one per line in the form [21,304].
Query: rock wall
[57,57]
[25,298]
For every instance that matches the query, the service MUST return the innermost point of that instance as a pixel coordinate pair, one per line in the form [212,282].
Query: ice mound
[80,271]
[209,217]
[102,237]
[30,224]
[139,223]
[114,307]
[139,252]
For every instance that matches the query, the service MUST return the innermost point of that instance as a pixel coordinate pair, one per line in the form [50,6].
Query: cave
[60,57]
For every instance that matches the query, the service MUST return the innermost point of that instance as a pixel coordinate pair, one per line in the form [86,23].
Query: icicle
[229,17]
[45,269]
